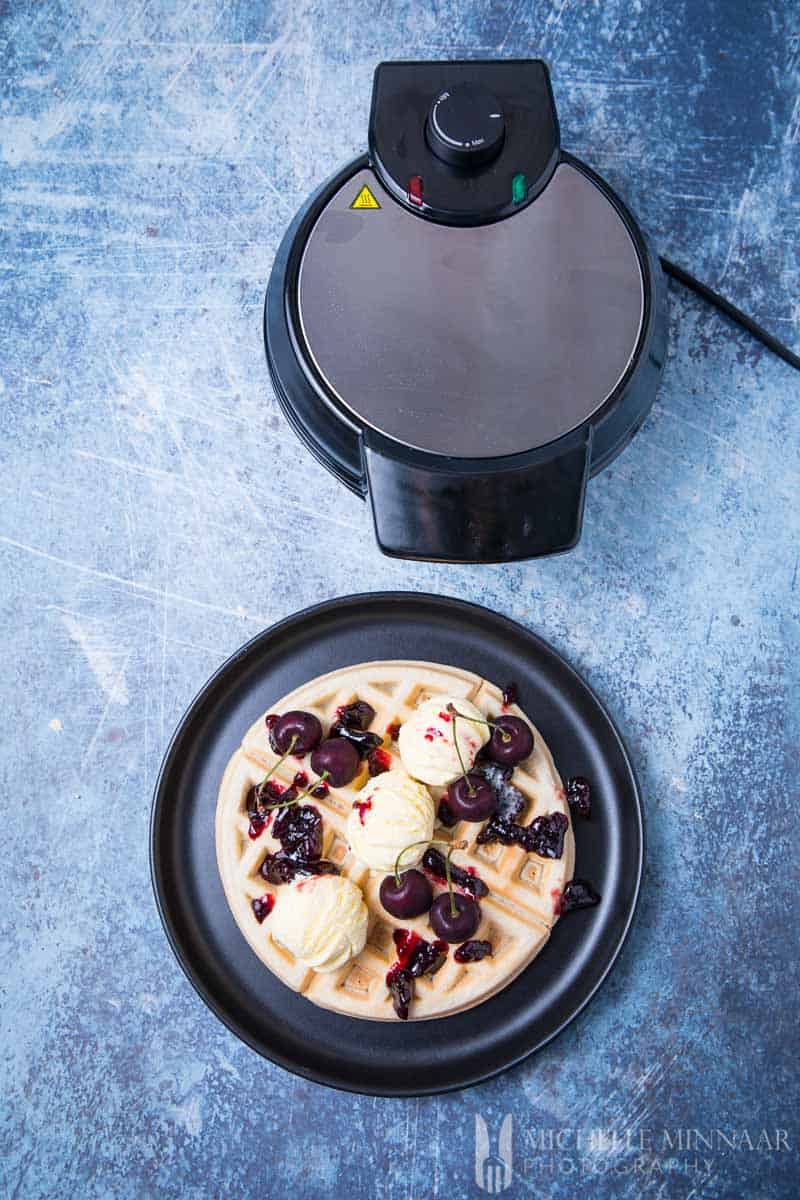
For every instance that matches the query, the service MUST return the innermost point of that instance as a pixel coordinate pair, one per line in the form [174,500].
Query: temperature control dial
[466,125]
[463,143]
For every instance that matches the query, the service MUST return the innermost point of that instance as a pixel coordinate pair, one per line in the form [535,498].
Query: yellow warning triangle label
[365,199]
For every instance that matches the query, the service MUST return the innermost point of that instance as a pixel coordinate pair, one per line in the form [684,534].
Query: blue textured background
[157,511]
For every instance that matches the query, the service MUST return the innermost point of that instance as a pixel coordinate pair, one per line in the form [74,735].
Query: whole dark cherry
[456,928]
[511,741]
[339,759]
[304,727]
[471,805]
[412,898]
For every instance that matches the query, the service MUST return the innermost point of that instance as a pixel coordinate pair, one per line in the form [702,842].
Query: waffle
[519,911]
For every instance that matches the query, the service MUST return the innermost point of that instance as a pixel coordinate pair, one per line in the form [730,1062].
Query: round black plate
[383,1057]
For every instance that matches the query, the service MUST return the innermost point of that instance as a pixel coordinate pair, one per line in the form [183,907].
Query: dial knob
[466,125]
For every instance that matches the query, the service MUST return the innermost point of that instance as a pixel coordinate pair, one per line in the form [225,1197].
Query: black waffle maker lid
[466,323]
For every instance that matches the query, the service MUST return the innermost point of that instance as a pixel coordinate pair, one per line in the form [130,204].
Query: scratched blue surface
[157,512]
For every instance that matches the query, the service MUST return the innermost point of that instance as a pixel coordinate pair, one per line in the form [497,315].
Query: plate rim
[156,874]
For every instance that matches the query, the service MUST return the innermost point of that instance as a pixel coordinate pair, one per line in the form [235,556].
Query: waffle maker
[466,323]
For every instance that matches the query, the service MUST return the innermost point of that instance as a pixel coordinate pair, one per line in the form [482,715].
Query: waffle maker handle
[481,510]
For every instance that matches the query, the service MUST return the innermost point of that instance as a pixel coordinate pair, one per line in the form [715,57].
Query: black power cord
[730,310]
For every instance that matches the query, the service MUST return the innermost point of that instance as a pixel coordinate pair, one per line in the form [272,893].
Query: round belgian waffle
[517,914]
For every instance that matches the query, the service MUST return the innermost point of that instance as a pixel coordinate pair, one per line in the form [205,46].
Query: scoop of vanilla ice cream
[427,739]
[392,811]
[320,919]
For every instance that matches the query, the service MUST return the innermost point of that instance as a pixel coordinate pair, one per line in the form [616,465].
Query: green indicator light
[519,189]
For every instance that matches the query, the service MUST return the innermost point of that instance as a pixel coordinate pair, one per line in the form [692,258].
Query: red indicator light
[415,189]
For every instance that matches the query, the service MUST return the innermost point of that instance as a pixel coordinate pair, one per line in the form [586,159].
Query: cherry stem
[464,772]
[453,909]
[425,842]
[282,758]
[505,736]
[307,791]
[281,804]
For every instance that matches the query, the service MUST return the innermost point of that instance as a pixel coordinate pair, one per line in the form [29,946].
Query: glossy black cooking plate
[380,1057]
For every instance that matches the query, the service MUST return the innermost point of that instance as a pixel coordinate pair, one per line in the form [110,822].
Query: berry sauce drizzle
[415,955]
[263,906]
[379,762]
[362,807]
[257,825]
[465,879]
[578,893]
[473,951]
